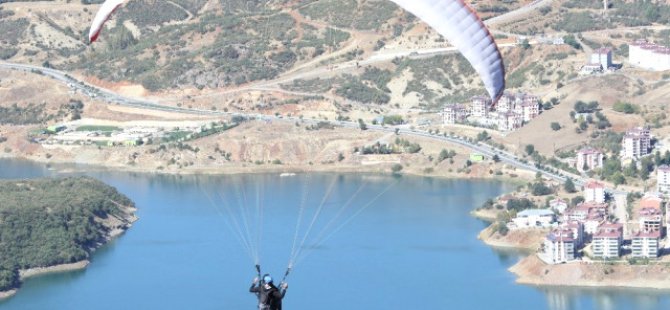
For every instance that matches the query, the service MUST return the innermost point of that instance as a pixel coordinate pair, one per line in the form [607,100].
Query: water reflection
[565,298]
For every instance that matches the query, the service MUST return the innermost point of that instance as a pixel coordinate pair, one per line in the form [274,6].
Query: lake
[398,243]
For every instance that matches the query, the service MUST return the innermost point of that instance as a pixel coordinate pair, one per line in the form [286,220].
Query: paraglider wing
[103,15]
[461,26]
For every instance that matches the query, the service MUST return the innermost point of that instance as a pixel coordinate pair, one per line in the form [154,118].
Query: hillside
[329,60]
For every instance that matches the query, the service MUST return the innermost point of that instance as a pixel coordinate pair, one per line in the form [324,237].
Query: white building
[530,108]
[603,57]
[663,179]
[589,158]
[646,244]
[509,121]
[559,247]
[559,205]
[506,103]
[607,241]
[649,56]
[454,113]
[594,192]
[636,143]
[651,219]
[585,209]
[592,223]
[534,218]
[578,232]
[480,106]
[591,215]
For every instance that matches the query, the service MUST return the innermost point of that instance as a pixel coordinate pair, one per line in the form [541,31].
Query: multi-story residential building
[589,159]
[559,246]
[593,222]
[480,106]
[585,209]
[651,219]
[594,192]
[645,244]
[607,241]
[530,108]
[663,179]
[506,103]
[534,218]
[509,121]
[527,106]
[454,113]
[591,215]
[636,143]
[577,229]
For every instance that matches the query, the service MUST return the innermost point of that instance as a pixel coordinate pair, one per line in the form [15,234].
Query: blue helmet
[267,278]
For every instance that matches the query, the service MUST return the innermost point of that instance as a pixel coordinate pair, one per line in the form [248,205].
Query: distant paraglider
[453,19]
[103,15]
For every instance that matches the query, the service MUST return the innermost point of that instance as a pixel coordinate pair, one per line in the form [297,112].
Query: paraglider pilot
[269,296]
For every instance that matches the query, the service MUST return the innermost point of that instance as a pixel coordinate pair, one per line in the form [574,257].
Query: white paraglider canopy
[453,19]
[461,26]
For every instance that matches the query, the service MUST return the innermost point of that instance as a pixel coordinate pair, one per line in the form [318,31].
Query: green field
[99,128]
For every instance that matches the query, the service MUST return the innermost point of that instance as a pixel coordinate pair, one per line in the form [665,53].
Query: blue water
[413,248]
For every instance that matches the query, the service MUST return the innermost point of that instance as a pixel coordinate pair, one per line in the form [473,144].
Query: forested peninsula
[55,224]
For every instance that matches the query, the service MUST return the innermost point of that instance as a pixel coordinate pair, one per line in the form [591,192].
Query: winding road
[114,98]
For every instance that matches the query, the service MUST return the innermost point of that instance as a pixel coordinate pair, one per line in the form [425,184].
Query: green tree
[396,168]
[555,126]
[631,170]
[577,200]
[569,186]
[572,41]
[530,149]
[496,158]
[541,189]
[362,125]
[483,136]
[625,107]
[618,179]
[611,166]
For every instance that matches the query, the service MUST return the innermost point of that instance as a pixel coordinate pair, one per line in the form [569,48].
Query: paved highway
[114,98]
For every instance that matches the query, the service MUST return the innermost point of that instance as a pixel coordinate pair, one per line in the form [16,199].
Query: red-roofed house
[559,205]
[651,202]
